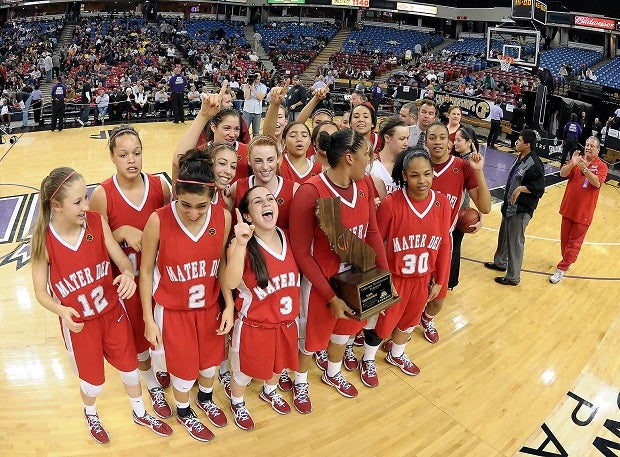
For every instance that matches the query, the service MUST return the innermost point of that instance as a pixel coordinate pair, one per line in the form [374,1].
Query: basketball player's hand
[277,93]
[321,93]
[152,334]
[210,104]
[339,309]
[126,285]
[243,230]
[228,320]
[478,225]
[133,237]
[476,160]
[67,314]
[434,291]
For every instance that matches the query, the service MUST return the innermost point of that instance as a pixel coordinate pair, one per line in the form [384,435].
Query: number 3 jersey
[185,276]
[279,300]
[80,275]
[416,234]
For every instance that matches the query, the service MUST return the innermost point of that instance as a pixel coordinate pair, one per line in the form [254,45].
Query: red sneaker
[285,383]
[242,416]
[387,346]
[196,429]
[160,405]
[359,339]
[214,413]
[368,373]
[301,399]
[95,428]
[320,358]
[348,359]
[278,403]
[430,332]
[159,427]
[225,381]
[163,378]
[403,362]
[344,387]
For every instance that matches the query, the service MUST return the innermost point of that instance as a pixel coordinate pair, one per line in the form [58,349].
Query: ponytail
[53,187]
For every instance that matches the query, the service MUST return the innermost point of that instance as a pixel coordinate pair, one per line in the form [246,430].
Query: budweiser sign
[595,22]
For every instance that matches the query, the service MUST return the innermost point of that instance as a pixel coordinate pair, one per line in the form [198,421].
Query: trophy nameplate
[366,289]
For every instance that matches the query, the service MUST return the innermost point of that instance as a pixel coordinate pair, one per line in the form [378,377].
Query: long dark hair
[339,143]
[257,260]
[217,120]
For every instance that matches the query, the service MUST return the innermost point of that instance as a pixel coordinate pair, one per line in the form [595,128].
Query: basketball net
[505,62]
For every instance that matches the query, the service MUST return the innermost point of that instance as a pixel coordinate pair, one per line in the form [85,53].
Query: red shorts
[407,312]
[321,324]
[190,340]
[260,350]
[109,336]
[133,308]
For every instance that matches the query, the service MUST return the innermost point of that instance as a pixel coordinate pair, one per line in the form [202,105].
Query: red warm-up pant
[571,239]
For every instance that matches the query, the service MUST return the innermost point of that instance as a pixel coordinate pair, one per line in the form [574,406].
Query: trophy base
[367,293]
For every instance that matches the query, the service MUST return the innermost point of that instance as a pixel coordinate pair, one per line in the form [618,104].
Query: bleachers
[207,30]
[283,36]
[507,77]
[468,46]
[609,73]
[553,58]
[360,63]
[385,39]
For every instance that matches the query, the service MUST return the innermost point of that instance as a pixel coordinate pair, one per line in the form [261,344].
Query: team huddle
[228,272]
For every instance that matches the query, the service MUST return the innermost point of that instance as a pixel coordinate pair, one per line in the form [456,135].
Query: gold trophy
[365,289]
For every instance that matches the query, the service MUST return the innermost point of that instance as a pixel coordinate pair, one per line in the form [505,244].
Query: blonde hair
[53,187]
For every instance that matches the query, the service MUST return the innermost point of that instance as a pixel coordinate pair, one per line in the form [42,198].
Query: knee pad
[90,390]
[182,385]
[144,356]
[408,331]
[241,378]
[208,372]
[130,378]
[339,339]
[371,338]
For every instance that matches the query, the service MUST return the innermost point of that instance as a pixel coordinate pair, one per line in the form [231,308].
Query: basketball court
[518,371]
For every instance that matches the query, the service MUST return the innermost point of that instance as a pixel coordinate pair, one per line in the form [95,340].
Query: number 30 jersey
[416,234]
[279,300]
[185,277]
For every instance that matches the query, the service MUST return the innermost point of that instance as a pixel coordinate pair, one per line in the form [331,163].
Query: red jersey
[218,200]
[186,273]
[288,171]
[451,178]
[354,215]
[417,234]
[580,197]
[283,195]
[279,301]
[120,211]
[80,276]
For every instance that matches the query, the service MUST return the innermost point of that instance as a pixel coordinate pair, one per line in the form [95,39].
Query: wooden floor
[534,366]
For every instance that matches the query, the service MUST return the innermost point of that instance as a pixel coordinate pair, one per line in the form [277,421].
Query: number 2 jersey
[80,276]
[279,300]
[185,276]
[416,234]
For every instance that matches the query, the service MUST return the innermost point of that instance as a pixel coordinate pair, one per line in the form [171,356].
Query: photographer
[253,93]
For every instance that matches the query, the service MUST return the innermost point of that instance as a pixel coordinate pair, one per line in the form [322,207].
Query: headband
[258,138]
[203,184]
[123,130]
[62,183]
[323,111]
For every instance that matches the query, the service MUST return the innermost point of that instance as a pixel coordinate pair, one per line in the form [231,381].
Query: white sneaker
[556,277]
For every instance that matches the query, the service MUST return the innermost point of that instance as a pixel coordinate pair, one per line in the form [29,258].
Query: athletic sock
[149,378]
[138,406]
[301,378]
[398,349]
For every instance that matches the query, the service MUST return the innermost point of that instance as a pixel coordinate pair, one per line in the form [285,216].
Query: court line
[546,273]
[556,240]
[18,135]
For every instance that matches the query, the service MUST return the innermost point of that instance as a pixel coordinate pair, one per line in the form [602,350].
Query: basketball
[467,217]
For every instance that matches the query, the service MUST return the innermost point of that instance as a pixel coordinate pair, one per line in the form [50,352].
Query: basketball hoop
[505,62]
